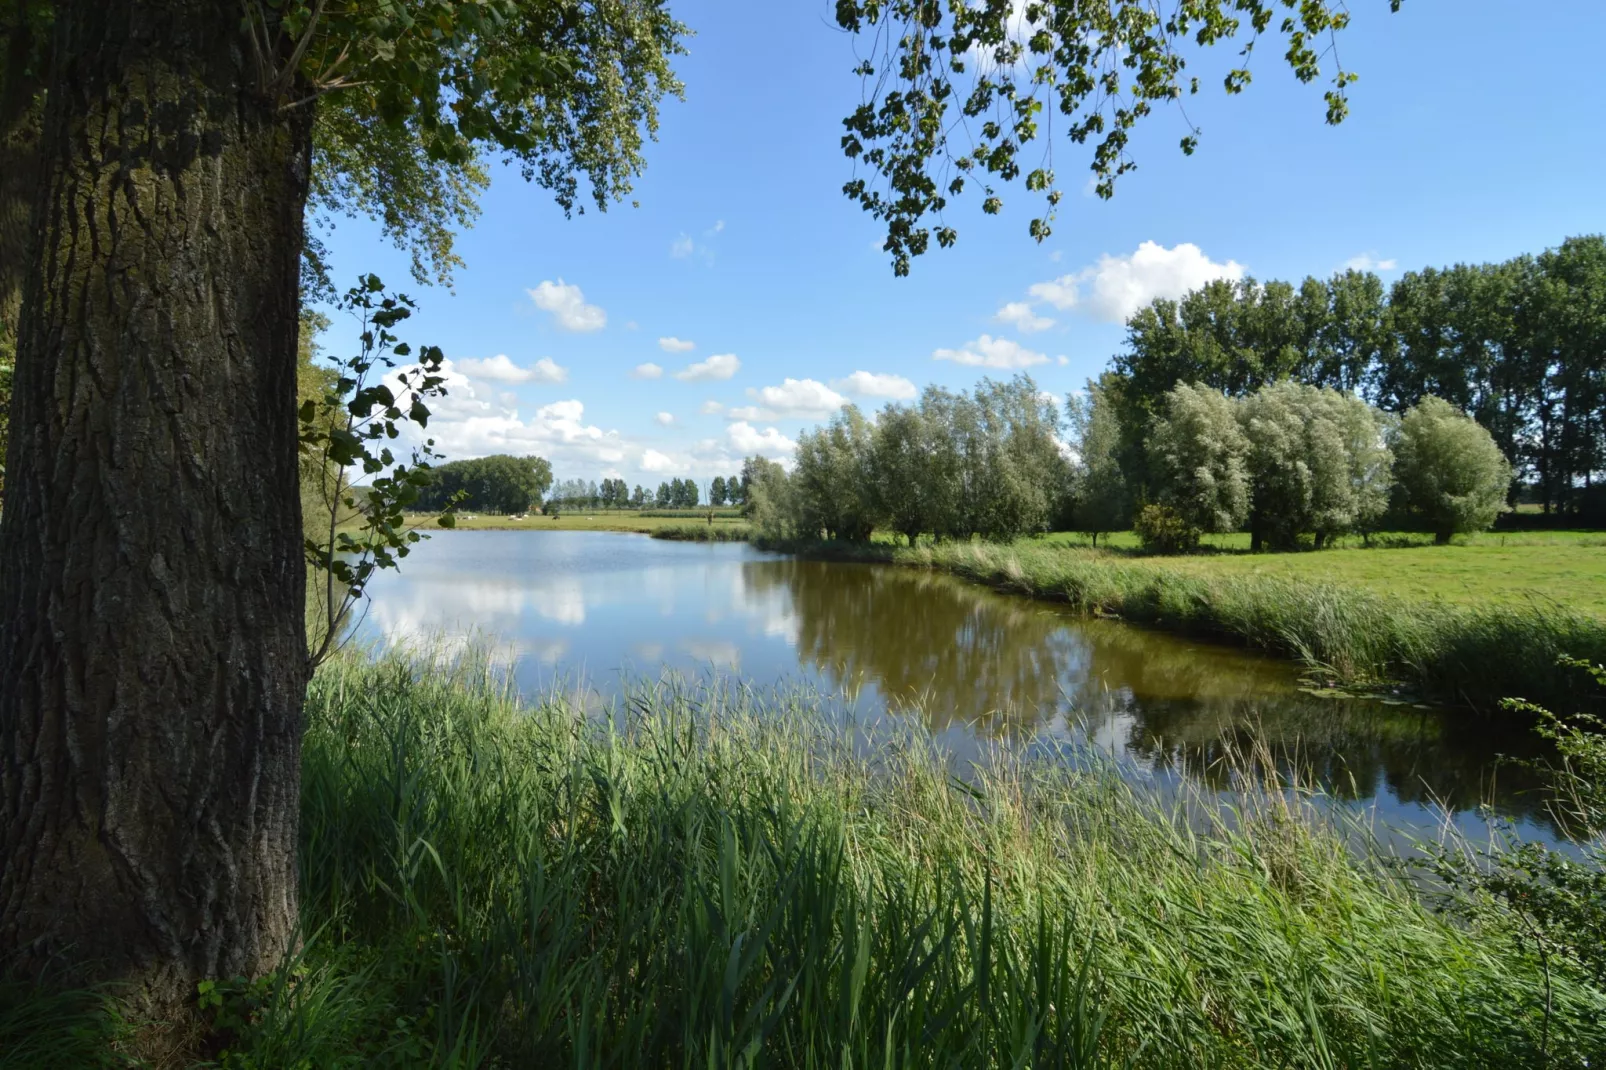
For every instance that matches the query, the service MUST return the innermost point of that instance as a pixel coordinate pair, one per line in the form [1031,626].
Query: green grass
[722,878]
[1567,568]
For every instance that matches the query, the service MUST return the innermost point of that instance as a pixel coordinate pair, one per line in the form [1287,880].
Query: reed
[717,877]
[703,532]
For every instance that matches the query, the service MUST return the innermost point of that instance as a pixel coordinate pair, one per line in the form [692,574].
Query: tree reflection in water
[1005,666]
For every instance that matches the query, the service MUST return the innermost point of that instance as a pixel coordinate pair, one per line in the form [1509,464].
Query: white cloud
[749,412]
[465,423]
[675,345]
[1370,262]
[719,366]
[712,408]
[1019,315]
[656,462]
[769,442]
[568,306]
[648,370]
[990,352]
[665,418]
[502,370]
[719,225]
[1118,286]
[682,247]
[794,397]
[873,385]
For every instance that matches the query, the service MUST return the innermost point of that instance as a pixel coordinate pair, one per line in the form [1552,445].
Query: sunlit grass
[1564,567]
[719,877]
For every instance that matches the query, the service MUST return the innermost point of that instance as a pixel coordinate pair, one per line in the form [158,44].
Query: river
[588,611]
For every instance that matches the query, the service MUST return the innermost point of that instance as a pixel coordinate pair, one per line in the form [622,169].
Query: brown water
[587,610]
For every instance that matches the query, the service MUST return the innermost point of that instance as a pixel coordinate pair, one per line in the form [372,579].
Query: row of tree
[1286,461]
[1519,345]
[616,494]
[951,465]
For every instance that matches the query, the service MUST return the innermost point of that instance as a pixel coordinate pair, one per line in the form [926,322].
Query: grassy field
[600,520]
[1564,567]
[726,879]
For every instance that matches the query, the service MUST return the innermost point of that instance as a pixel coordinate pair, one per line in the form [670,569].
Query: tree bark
[152,654]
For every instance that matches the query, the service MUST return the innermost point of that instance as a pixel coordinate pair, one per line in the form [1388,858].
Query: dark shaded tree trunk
[152,654]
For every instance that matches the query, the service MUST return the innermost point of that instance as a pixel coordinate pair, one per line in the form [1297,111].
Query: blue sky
[1474,135]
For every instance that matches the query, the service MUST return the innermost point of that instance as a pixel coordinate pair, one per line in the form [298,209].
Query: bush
[1164,531]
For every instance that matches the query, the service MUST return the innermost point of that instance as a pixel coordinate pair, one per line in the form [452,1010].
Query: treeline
[496,484]
[674,494]
[952,466]
[1519,345]
[1286,461]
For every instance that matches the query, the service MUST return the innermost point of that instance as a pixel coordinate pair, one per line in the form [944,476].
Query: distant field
[1567,567]
[588,520]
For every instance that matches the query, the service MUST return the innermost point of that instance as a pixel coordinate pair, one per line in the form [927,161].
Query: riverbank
[724,877]
[641,523]
[1351,636]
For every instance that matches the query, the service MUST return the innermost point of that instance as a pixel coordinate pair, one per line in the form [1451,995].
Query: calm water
[590,609]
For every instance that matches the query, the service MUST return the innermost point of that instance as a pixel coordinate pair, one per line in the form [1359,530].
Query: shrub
[1163,530]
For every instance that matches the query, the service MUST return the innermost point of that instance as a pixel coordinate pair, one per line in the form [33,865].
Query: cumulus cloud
[675,345]
[873,385]
[749,440]
[719,366]
[502,370]
[1019,315]
[712,408]
[469,422]
[1371,262]
[794,397]
[568,306]
[665,418]
[659,463]
[648,370]
[1118,286]
[990,352]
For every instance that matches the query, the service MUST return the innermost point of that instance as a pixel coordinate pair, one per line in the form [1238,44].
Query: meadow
[724,877]
[1566,568]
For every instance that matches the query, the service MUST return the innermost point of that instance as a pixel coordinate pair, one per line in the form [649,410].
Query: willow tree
[152,657]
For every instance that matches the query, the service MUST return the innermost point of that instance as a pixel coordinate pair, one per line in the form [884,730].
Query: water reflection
[976,663]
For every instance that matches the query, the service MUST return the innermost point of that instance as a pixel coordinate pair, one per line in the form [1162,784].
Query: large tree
[152,654]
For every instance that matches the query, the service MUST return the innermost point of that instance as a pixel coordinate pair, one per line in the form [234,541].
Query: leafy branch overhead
[956,91]
[364,529]
[410,95]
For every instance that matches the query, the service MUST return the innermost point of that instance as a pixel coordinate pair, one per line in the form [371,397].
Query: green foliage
[770,506]
[716,492]
[723,877]
[1102,501]
[1452,477]
[1318,462]
[832,484]
[1520,346]
[988,72]
[495,484]
[1560,897]
[1163,530]
[1202,456]
[410,96]
[348,426]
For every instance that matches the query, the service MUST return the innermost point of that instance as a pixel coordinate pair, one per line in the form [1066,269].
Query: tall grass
[1477,656]
[718,878]
[703,532]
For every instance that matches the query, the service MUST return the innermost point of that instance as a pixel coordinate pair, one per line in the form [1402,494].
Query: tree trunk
[152,654]
[1442,538]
